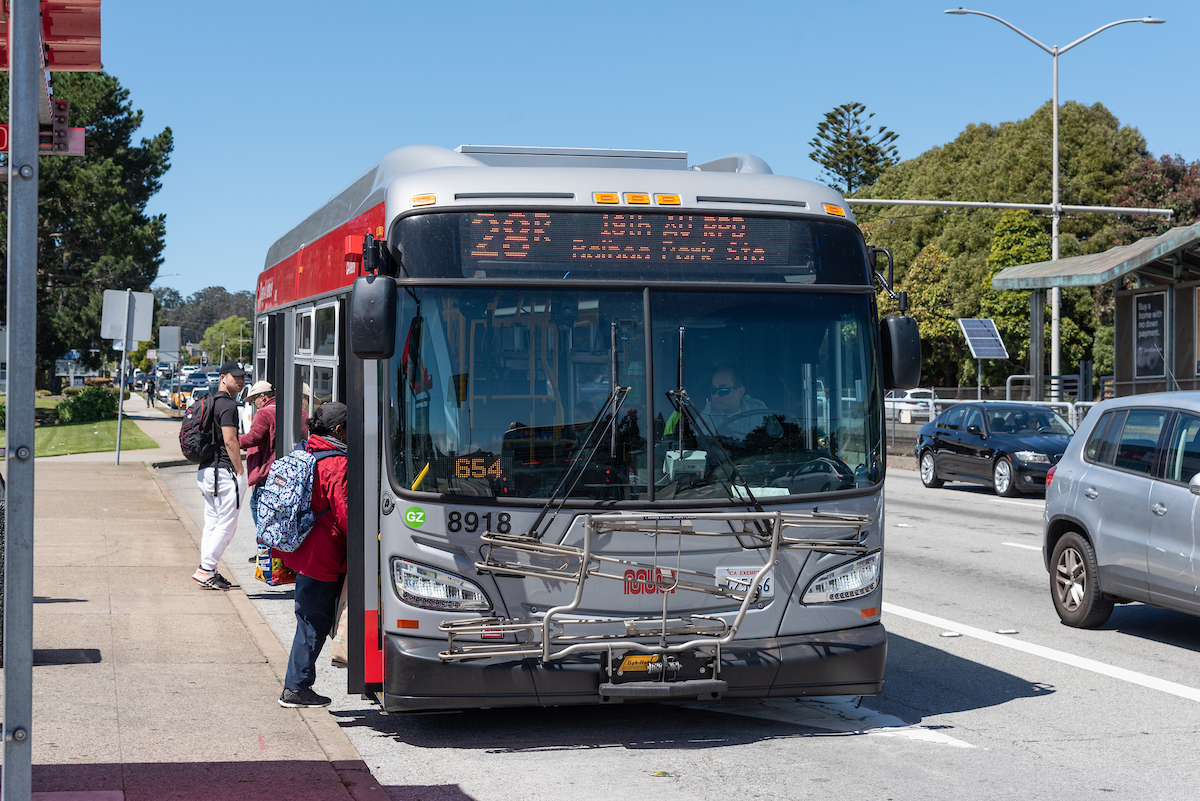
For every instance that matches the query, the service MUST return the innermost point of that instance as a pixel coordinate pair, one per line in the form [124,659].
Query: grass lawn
[87,438]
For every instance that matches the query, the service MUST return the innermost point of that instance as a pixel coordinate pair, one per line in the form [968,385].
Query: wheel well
[1055,532]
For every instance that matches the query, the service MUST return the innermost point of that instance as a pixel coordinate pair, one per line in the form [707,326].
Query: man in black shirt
[222,480]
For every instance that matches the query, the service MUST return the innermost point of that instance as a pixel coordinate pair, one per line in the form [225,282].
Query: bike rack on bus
[552,636]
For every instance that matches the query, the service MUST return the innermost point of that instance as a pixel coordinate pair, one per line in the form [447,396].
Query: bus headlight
[845,582]
[427,588]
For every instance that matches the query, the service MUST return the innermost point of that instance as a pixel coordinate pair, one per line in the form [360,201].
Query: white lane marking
[1022,545]
[1015,503]
[1104,669]
[833,713]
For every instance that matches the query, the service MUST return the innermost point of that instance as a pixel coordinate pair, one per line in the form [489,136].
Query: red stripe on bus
[372,655]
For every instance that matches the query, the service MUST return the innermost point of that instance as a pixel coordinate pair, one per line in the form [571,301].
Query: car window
[1099,449]
[1137,449]
[1183,451]
[974,418]
[952,418]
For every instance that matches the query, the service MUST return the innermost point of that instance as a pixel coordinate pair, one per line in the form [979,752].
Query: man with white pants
[222,480]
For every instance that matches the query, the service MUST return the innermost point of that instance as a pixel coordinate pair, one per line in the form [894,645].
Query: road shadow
[921,682]
[1164,626]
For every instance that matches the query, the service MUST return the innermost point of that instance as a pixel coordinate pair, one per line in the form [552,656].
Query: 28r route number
[474,522]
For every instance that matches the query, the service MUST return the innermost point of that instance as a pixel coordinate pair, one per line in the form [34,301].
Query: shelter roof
[1163,259]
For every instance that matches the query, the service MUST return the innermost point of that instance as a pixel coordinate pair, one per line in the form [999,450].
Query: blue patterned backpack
[285,515]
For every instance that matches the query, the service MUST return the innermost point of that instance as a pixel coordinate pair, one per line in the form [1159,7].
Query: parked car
[1009,446]
[197,393]
[917,402]
[1121,509]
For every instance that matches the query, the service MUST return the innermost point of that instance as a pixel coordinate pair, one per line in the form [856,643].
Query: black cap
[233,368]
[331,415]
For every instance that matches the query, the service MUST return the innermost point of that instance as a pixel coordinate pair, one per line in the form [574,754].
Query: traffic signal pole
[24,92]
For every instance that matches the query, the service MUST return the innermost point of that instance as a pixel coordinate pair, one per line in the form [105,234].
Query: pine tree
[93,230]
[847,149]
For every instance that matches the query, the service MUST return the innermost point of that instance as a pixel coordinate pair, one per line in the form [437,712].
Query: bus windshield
[540,393]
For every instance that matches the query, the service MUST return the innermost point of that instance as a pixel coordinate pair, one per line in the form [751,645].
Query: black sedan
[1007,445]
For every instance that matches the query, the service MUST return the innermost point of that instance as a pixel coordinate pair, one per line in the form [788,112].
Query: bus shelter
[1156,327]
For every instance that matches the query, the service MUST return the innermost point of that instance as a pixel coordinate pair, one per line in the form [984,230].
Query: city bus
[616,426]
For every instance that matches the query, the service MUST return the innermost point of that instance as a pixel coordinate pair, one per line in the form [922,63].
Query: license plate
[739,578]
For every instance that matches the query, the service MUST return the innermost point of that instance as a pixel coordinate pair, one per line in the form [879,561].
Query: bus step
[700,689]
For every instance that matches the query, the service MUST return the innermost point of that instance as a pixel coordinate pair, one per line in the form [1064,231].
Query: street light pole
[240,340]
[1056,207]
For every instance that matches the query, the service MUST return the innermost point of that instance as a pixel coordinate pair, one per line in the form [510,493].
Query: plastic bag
[270,569]
[341,625]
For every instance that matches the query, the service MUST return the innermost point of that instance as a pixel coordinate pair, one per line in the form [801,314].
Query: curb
[343,757]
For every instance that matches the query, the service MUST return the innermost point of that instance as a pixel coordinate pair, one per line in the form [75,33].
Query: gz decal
[414,516]
[642,582]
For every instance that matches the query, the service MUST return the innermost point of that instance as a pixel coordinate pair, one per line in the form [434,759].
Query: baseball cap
[233,368]
[331,415]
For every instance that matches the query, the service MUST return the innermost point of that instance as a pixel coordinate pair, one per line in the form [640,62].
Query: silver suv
[1122,509]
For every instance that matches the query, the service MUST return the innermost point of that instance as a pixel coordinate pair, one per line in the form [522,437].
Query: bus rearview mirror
[373,317]
[901,344]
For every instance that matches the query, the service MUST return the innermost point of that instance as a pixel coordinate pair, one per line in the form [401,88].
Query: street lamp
[240,340]
[1056,212]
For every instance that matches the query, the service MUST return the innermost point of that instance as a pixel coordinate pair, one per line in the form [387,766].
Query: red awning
[70,32]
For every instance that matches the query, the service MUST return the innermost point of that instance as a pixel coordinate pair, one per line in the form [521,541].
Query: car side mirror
[373,306]
[901,344]
[1194,484]
[974,430]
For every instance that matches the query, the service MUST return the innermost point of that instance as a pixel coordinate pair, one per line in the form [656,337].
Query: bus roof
[517,176]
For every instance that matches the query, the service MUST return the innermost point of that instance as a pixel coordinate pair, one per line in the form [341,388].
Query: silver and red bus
[616,424]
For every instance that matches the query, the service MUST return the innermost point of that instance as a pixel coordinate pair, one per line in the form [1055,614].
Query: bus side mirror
[373,317]
[901,343]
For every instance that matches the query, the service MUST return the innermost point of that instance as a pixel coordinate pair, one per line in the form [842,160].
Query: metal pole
[1056,217]
[24,85]
[124,353]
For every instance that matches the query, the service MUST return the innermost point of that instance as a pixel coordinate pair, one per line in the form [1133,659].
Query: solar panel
[983,339]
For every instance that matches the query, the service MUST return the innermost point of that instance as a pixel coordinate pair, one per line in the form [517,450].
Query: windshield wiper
[591,443]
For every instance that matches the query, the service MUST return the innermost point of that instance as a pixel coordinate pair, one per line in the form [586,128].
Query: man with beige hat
[259,441]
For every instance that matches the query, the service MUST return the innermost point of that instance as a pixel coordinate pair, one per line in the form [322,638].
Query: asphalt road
[1037,711]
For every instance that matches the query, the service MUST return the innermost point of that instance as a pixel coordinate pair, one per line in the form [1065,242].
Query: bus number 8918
[469,522]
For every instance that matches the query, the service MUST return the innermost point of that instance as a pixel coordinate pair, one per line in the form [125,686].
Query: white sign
[738,579]
[139,305]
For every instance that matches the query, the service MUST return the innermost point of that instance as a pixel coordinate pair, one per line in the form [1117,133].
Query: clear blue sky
[276,105]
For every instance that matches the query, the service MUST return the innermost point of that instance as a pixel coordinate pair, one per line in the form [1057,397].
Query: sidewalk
[144,685]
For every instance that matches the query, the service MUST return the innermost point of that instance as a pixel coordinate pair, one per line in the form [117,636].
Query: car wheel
[1003,478]
[1074,584]
[929,471]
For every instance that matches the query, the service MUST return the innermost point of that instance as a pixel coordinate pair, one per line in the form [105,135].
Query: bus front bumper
[849,662]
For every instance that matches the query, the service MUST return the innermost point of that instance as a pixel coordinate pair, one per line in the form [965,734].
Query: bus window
[326,331]
[304,332]
[500,392]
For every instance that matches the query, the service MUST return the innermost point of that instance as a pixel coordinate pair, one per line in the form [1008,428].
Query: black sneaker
[210,580]
[304,697]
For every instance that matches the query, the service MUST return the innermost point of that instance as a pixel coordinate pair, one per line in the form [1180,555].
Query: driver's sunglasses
[721,392]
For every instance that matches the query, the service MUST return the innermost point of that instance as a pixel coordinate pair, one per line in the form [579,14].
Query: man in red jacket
[320,561]
[259,442]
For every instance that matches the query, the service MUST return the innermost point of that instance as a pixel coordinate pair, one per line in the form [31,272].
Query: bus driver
[728,407]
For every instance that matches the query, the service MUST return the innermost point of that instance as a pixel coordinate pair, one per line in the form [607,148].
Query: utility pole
[24,85]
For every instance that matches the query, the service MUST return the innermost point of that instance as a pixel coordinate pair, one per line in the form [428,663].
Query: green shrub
[87,406]
[3,416]
[68,392]
[43,393]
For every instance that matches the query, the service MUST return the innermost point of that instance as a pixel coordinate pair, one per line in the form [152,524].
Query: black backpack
[197,435]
